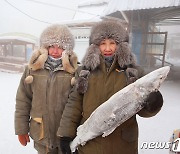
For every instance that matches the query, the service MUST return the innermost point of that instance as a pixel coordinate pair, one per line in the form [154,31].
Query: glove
[23,139]
[154,101]
[65,144]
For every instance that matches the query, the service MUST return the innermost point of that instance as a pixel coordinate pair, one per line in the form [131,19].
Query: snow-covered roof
[91,12]
[92,3]
[125,5]
[70,23]
[91,9]
[20,38]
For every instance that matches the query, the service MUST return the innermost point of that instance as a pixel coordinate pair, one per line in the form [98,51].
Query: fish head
[159,76]
[153,80]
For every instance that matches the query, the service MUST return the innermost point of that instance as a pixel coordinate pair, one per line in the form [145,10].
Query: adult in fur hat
[44,88]
[108,66]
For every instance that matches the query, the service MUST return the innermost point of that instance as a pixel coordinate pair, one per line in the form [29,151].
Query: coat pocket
[37,129]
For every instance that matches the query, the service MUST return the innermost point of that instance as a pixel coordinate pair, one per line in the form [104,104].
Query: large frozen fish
[119,107]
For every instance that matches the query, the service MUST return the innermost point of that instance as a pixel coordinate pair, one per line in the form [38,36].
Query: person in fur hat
[44,88]
[107,67]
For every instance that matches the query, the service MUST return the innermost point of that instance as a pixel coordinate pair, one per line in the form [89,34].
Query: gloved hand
[23,139]
[154,101]
[65,144]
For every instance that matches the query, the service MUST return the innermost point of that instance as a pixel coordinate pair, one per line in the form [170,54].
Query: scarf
[108,60]
[53,64]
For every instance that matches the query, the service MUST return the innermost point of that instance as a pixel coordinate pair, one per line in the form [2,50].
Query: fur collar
[124,57]
[39,57]
[123,53]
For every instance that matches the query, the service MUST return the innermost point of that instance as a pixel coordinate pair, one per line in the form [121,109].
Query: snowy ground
[9,142]
[158,128]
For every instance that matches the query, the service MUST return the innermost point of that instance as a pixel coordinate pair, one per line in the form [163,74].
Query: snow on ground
[9,143]
[158,128]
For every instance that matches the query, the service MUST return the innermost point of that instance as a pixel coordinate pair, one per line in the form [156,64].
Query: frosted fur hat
[110,29]
[54,35]
[57,35]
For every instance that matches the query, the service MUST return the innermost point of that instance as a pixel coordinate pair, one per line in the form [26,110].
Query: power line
[26,13]
[59,6]
[52,5]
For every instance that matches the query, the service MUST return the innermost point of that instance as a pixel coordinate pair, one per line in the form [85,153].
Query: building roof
[19,37]
[161,12]
[127,5]
[93,3]
[91,9]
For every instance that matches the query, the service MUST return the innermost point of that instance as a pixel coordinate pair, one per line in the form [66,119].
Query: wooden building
[15,50]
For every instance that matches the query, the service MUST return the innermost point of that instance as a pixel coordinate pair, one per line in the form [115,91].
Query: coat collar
[39,57]
[124,59]
[103,66]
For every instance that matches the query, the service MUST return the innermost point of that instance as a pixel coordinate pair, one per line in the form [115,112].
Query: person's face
[55,51]
[108,47]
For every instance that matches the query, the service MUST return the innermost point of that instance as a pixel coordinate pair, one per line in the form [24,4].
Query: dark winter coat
[101,86]
[95,84]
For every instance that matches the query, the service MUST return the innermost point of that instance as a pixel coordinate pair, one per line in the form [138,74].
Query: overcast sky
[32,16]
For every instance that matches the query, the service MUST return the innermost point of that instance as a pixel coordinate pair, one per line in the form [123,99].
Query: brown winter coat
[102,84]
[44,101]
[40,101]
[96,84]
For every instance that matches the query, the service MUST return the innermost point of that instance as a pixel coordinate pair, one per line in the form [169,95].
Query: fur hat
[57,35]
[54,35]
[110,29]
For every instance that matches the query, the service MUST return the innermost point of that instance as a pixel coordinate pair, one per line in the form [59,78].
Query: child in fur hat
[44,88]
[107,67]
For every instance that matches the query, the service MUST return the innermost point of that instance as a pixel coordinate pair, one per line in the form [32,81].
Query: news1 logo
[176,145]
[173,145]
[175,141]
